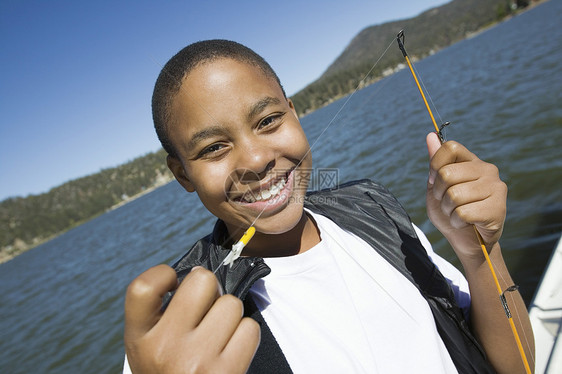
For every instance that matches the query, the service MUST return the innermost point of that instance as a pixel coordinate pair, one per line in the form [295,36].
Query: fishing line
[239,246]
[380,85]
[503,302]
[345,103]
[427,92]
[239,249]
[400,40]
[519,320]
[248,234]
[369,274]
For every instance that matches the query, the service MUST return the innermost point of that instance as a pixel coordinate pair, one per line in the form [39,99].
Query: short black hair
[170,78]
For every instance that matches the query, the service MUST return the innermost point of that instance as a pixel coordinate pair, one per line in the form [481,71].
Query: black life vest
[370,211]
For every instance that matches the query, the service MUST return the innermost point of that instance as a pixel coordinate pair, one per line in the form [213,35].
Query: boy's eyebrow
[204,134]
[209,132]
[258,107]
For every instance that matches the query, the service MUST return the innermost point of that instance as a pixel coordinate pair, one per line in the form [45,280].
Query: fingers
[197,294]
[463,190]
[448,153]
[466,182]
[433,143]
[452,175]
[460,195]
[144,299]
[469,214]
[223,318]
[481,178]
[200,330]
[242,346]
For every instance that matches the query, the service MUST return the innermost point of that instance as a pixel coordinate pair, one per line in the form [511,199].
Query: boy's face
[240,146]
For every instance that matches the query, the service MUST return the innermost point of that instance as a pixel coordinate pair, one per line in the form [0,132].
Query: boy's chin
[281,222]
[277,226]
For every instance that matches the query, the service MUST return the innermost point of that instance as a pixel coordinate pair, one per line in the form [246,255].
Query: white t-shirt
[341,308]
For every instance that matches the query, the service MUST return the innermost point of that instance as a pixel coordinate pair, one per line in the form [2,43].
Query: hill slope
[28,221]
[430,31]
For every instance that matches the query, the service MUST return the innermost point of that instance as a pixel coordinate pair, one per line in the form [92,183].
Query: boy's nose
[257,158]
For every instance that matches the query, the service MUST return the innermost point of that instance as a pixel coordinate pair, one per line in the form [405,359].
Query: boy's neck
[299,239]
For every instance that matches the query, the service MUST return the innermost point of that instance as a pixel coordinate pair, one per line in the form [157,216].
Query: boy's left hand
[462,191]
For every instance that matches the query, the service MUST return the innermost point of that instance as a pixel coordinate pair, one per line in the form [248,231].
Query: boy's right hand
[201,330]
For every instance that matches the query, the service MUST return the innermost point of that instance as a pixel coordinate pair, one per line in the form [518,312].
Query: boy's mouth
[267,191]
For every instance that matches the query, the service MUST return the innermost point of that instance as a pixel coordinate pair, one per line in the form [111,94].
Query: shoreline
[7,254]
[148,190]
[367,82]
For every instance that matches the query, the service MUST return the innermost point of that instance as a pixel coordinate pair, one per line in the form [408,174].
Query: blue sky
[77,77]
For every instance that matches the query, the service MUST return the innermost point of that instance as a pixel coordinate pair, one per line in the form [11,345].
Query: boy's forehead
[226,82]
[217,91]
[228,69]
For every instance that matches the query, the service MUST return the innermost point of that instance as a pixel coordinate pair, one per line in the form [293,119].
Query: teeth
[275,190]
[266,194]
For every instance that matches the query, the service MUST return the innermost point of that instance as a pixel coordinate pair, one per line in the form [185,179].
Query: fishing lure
[400,39]
[238,247]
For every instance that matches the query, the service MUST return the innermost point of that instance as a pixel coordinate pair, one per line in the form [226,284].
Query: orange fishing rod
[400,40]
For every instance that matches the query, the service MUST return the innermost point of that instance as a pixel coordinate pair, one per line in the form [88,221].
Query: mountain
[426,33]
[28,221]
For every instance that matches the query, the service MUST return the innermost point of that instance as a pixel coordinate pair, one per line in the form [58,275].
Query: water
[62,305]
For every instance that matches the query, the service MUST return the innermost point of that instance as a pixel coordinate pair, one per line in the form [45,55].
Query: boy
[337,281]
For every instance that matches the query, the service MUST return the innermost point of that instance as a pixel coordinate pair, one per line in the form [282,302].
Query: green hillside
[430,31]
[28,221]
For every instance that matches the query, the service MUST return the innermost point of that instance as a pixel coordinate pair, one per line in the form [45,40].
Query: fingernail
[431,178]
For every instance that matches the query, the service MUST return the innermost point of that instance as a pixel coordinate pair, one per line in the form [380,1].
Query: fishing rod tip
[400,38]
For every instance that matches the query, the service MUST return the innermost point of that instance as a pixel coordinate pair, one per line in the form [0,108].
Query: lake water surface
[61,305]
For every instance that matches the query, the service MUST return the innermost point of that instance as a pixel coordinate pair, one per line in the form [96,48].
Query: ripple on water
[62,304]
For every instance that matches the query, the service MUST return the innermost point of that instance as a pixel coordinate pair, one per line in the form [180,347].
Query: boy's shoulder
[362,189]
[369,196]
[351,186]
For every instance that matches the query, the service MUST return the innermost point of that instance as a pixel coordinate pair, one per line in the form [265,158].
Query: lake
[62,306]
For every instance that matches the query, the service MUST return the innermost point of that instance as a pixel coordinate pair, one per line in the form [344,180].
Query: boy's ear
[292,106]
[176,167]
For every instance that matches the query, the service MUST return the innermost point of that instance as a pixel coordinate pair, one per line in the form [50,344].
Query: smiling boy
[337,281]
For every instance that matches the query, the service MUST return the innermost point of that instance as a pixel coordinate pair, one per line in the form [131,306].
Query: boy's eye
[211,150]
[268,121]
